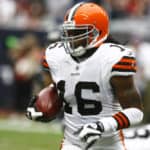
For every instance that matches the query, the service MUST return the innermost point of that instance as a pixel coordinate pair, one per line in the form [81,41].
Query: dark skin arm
[126,92]
[47,79]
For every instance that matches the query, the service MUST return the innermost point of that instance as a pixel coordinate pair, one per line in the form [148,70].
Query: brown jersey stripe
[129,59]
[128,67]
[122,120]
[126,64]
[123,70]
[44,63]
[119,121]
[125,119]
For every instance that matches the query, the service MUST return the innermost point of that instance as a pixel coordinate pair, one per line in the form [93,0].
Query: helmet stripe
[73,10]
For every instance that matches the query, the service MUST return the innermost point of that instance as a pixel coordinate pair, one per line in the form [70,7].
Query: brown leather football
[48,102]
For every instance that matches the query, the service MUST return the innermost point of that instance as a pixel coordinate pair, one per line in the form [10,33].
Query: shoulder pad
[120,59]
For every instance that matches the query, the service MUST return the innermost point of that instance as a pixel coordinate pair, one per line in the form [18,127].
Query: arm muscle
[126,92]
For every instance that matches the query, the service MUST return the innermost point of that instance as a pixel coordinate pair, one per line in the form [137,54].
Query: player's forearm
[123,119]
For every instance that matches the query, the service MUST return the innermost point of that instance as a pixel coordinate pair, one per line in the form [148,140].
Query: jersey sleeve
[121,61]
[125,66]
[48,59]
[52,58]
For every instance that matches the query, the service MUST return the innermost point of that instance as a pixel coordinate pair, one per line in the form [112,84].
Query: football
[48,102]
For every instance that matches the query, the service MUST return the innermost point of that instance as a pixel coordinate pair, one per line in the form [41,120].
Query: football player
[95,79]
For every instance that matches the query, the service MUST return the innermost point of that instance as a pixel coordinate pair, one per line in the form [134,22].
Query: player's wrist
[32,101]
[128,117]
[122,119]
[109,124]
[100,126]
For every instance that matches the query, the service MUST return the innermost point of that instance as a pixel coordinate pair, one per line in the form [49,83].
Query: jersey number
[57,44]
[84,106]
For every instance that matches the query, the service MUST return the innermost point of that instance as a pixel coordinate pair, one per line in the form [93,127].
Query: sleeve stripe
[126,64]
[123,70]
[122,120]
[125,119]
[119,122]
[126,67]
[128,57]
[44,63]
[127,60]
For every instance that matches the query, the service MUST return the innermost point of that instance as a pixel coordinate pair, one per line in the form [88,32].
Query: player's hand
[31,112]
[90,133]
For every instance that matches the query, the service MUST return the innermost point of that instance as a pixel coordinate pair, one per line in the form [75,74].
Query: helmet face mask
[77,38]
[85,27]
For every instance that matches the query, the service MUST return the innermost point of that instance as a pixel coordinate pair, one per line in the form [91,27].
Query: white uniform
[86,89]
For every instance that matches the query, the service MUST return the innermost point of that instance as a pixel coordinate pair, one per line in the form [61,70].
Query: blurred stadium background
[26,28]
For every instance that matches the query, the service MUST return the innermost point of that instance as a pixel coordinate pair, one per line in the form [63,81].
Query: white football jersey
[85,86]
